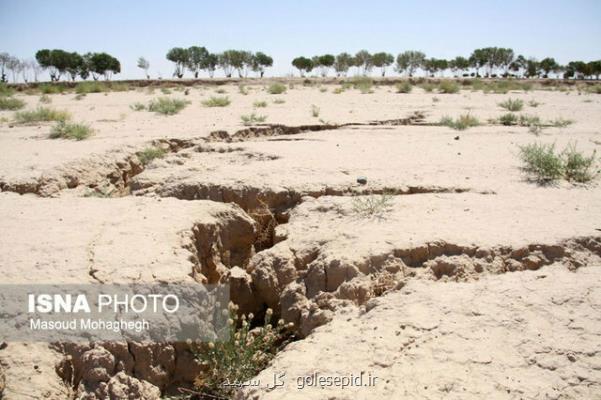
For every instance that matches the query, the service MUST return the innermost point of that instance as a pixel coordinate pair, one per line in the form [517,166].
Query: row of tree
[196,59]
[18,68]
[492,61]
[59,63]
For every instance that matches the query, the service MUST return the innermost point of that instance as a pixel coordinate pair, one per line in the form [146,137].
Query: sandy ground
[460,233]
[532,335]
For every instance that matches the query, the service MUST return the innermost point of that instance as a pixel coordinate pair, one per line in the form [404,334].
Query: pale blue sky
[567,30]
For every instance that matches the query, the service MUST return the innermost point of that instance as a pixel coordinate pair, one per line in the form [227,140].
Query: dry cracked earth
[472,282]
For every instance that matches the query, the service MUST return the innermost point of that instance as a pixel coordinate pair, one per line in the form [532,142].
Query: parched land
[400,247]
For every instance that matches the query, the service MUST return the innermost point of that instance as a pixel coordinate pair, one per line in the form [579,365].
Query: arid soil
[469,281]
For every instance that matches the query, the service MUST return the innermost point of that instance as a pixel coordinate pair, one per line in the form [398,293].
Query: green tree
[75,65]
[548,65]
[458,65]
[260,61]
[532,68]
[196,59]
[364,61]
[478,59]
[324,63]
[382,60]
[504,58]
[103,64]
[179,57]
[518,65]
[342,64]
[409,61]
[303,64]
[144,65]
[210,64]
[55,60]
[595,68]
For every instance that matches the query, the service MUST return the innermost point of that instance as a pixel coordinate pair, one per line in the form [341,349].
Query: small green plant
[560,122]
[167,106]
[66,130]
[241,356]
[534,103]
[260,104]
[276,88]
[217,101]
[512,105]
[529,120]
[137,106]
[165,91]
[363,84]
[45,99]
[404,87]
[5,90]
[80,96]
[338,90]
[448,87]
[221,91]
[323,89]
[41,114]
[91,87]
[463,122]
[594,89]
[150,153]
[279,101]
[428,87]
[541,162]
[10,103]
[577,167]
[372,205]
[51,89]
[243,90]
[252,119]
[508,119]
[315,111]
[435,99]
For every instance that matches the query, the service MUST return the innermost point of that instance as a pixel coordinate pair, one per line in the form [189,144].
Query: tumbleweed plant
[243,355]
[73,131]
[578,167]
[404,87]
[372,205]
[41,114]
[540,161]
[137,106]
[10,103]
[150,153]
[448,87]
[512,104]
[461,123]
[217,101]
[252,119]
[276,88]
[167,106]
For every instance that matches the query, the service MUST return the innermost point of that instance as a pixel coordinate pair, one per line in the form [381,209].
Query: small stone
[362,180]
[456,137]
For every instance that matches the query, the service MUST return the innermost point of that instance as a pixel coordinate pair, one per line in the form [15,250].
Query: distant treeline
[491,62]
